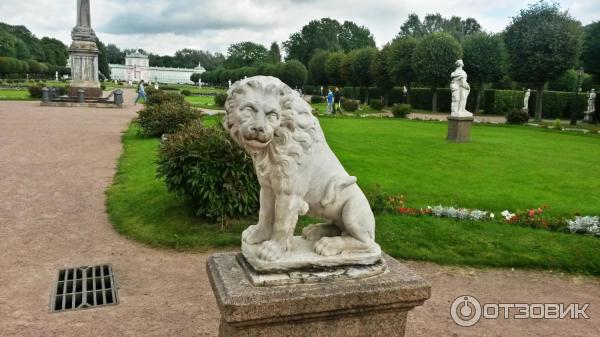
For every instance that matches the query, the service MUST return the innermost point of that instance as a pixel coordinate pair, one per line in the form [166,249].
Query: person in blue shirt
[141,92]
[329,102]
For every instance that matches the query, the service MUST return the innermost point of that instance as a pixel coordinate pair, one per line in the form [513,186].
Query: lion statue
[298,173]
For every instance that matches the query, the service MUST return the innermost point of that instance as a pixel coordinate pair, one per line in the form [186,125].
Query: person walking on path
[330,108]
[337,98]
[141,92]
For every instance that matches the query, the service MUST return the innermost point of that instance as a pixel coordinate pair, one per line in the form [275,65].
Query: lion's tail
[335,185]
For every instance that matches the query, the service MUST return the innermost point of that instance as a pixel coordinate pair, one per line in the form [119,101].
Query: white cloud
[166,26]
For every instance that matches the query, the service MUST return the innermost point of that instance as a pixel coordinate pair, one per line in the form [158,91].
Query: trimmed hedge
[556,104]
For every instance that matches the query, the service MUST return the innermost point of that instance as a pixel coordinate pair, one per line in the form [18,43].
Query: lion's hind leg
[358,225]
[319,230]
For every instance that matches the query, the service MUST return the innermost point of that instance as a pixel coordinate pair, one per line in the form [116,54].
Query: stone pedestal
[84,69]
[459,129]
[588,117]
[372,306]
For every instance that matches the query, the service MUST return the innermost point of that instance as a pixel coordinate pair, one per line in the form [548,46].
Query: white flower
[492,215]
[451,212]
[438,211]
[507,215]
[462,213]
[477,214]
[585,224]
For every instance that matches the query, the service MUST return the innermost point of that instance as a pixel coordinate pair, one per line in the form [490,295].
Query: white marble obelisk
[84,54]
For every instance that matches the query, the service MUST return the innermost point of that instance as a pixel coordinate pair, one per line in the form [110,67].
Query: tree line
[541,47]
[22,52]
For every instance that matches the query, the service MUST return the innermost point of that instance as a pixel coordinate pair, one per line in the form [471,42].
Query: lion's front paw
[271,250]
[316,231]
[255,234]
[329,246]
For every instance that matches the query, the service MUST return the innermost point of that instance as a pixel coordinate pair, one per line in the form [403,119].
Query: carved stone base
[588,117]
[89,92]
[303,256]
[373,306]
[310,275]
[459,129]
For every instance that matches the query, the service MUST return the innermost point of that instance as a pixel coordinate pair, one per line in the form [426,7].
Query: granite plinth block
[372,306]
[459,129]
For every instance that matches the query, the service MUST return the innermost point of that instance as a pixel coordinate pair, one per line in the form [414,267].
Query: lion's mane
[296,135]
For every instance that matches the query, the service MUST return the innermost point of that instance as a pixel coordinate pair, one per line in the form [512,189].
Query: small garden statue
[460,91]
[592,101]
[526,100]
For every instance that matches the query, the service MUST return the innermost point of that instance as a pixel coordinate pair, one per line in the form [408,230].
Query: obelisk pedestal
[84,55]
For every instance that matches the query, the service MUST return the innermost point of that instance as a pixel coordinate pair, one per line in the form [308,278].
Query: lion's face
[259,116]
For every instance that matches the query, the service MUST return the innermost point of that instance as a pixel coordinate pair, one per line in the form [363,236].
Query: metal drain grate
[83,288]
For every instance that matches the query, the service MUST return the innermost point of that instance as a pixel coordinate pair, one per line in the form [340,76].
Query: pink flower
[532,213]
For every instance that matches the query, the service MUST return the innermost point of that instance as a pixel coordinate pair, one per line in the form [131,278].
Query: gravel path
[56,163]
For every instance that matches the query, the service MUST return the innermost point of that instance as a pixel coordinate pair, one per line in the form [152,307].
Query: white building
[137,67]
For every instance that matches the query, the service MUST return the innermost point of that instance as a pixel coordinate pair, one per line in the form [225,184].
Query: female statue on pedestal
[83,13]
[460,91]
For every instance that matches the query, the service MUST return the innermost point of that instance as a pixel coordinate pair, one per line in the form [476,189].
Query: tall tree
[400,62]
[433,61]
[316,68]
[274,53]
[245,54]
[361,66]
[333,68]
[55,52]
[485,60]
[114,54]
[436,23]
[317,34]
[380,71]
[293,73]
[349,77]
[352,36]
[542,43]
[103,67]
[591,50]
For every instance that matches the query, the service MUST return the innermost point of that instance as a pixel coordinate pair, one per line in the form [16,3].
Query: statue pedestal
[372,306]
[588,117]
[84,69]
[459,129]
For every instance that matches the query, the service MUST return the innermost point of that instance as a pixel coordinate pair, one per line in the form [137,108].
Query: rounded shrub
[186,92]
[350,105]
[517,117]
[376,104]
[315,99]
[35,91]
[168,117]
[203,165]
[401,110]
[160,97]
[220,99]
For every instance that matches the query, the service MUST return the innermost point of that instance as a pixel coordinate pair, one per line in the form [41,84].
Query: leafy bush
[161,97]
[316,99]
[350,105]
[168,117]
[186,92]
[376,104]
[35,91]
[556,104]
[517,117]
[557,125]
[401,110]
[150,90]
[203,165]
[220,99]
[169,88]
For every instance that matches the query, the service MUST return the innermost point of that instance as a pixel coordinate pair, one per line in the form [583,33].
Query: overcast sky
[164,26]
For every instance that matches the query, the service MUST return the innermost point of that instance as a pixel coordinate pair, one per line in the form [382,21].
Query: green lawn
[203,101]
[411,158]
[14,95]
